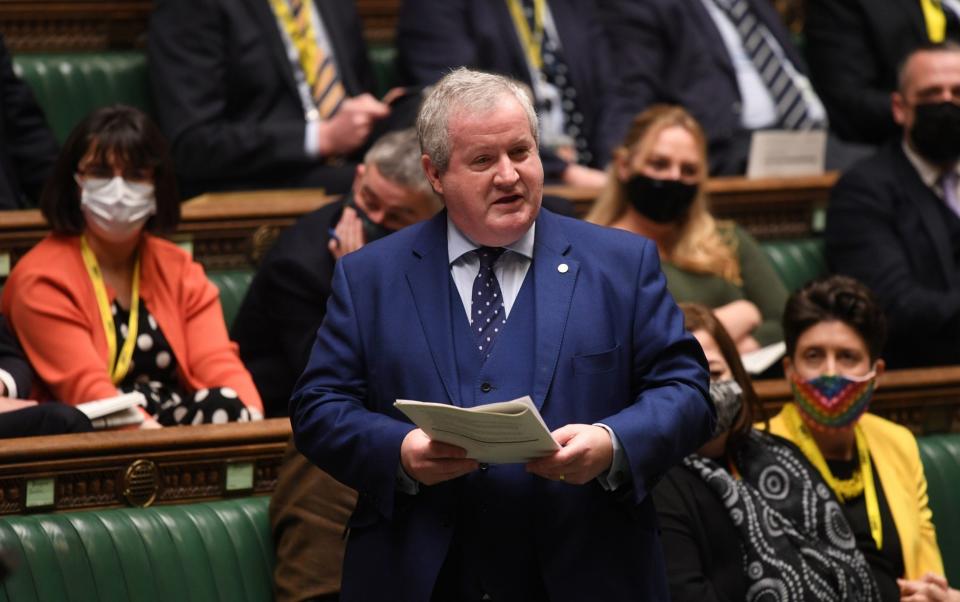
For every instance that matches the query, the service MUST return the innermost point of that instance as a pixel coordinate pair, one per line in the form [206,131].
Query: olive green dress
[761,286]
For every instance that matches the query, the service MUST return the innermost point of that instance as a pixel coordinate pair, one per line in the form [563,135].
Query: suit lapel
[518,55]
[263,15]
[714,43]
[429,281]
[553,292]
[911,12]
[924,200]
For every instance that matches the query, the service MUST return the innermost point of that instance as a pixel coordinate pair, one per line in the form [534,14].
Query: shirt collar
[929,173]
[459,245]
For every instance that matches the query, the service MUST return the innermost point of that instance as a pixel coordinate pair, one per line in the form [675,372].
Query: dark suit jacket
[284,306]
[387,335]
[27,146]
[854,48]
[13,360]
[887,229]
[227,99]
[670,51]
[434,36]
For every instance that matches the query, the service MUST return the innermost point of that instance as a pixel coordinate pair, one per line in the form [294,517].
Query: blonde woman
[655,189]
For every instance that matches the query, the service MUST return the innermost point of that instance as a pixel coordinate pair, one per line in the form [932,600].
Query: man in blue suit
[491,300]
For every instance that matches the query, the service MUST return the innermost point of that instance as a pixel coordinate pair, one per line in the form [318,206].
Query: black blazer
[226,96]
[27,146]
[14,361]
[284,306]
[434,36]
[886,228]
[670,51]
[854,48]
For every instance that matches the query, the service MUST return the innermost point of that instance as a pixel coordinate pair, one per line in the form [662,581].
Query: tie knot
[489,255]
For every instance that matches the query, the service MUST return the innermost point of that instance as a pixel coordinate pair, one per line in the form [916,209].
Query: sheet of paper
[109,405]
[756,362]
[775,153]
[498,433]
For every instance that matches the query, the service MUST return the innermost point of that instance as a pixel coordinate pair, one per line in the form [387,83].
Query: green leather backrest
[205,552]
[797,260]
[70,85]
[941,465]
[233,285]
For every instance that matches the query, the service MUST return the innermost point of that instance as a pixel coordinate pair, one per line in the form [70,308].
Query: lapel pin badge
[562,268]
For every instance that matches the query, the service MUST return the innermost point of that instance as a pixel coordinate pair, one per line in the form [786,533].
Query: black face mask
[936,132]
[371,230]
[663,201]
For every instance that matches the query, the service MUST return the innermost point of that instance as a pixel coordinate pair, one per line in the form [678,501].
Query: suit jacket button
[486,387]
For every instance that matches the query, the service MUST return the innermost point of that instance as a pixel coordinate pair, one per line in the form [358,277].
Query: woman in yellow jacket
[834,333]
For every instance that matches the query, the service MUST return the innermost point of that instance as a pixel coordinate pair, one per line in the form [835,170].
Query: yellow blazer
[896,459]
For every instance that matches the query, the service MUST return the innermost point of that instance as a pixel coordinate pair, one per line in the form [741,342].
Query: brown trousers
[308,517]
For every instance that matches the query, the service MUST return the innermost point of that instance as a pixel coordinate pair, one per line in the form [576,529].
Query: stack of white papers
[113,412]
[756,362]
[497,433]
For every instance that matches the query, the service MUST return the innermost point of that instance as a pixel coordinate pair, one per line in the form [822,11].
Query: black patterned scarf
[796,542]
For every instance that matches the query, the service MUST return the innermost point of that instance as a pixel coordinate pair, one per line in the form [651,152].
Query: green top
[761,286]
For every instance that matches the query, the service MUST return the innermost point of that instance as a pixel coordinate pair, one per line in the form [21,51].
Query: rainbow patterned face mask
[833,402]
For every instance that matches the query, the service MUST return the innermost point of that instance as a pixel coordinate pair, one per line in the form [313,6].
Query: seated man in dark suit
[262,93]
[20,417]
[278,320]
[855,48]
[557,47]
[731,63]
[27,146]
[893,219]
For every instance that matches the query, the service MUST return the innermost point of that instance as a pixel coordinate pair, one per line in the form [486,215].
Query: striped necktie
[791,105]
[320,70]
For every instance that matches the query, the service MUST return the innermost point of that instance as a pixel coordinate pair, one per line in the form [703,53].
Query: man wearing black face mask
[894,220]
[279,317]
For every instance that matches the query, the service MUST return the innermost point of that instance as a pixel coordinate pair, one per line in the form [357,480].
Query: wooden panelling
[62,25]
[118,468]
[925,400]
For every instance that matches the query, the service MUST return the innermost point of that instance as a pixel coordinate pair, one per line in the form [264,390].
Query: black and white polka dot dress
[153,372]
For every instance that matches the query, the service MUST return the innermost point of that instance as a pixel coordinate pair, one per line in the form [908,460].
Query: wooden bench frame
[141,467]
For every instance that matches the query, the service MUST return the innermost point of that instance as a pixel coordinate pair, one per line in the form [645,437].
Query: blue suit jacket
[435,36]
[611,347]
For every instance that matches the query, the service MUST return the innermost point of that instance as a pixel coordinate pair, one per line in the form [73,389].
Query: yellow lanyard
[302,34]
[117,366]
[531,40]
[806,443]
[935,19]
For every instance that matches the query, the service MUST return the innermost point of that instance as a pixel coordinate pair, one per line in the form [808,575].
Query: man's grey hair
[396,156]
[468,91]
[948,46]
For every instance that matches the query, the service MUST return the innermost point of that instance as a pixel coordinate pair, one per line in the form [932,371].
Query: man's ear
[433,174]
[358,179]
[899,105]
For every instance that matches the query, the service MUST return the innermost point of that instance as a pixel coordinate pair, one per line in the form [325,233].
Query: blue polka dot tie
[487,311]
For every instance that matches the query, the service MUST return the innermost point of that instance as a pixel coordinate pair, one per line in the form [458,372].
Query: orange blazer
[51,306]
[896,458]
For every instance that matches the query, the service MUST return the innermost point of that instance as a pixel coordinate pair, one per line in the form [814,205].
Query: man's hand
[348,233]
[929,588]
[586,453]
[432,462]
[350,126]
[9,404]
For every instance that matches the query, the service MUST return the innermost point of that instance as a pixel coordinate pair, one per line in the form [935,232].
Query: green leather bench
[205,552]
[797,260]
[70,85]
[222,551]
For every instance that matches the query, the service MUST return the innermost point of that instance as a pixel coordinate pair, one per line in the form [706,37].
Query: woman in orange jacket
[103,306]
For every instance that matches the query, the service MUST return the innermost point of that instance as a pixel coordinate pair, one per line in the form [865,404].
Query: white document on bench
[782,153]
[757,361]
[112,412]
[497,433]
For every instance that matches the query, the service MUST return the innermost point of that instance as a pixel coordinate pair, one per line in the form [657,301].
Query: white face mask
[116,208]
